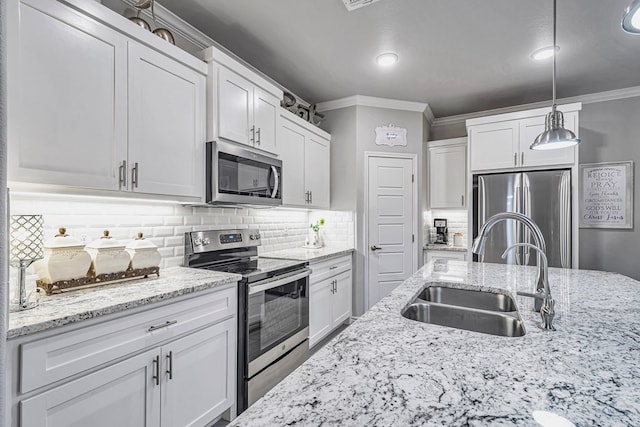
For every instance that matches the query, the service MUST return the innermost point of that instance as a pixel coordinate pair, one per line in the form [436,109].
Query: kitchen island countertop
[385,370]
[77,305]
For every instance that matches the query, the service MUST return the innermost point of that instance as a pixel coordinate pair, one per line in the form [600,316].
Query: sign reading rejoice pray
[606,195]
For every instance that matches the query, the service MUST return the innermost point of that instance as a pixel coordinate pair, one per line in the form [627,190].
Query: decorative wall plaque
[606,195]
[391,135]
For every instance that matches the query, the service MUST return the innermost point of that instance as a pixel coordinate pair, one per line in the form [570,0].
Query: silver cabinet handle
[515,159]
[253,134]
[156,370]
[310,197]
[375,248]
[134,175]
[122,172]
[522,159]
[333,268]
[258,136]
[170,365]
[307,198]
[462,200]
[164,325]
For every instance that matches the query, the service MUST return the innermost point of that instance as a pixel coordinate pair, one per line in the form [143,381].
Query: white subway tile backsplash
[457,222]
[165,224]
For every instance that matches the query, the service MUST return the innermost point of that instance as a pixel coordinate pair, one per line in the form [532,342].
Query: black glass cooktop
[253,270]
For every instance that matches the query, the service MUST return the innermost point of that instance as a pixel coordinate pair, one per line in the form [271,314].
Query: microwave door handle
[276,185]
[265,285]
[269,189]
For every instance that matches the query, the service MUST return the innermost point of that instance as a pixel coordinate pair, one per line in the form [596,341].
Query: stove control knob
[205,241]
[257,236]
[252,237]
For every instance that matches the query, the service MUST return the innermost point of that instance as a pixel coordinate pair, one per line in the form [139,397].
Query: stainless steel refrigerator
[544,196]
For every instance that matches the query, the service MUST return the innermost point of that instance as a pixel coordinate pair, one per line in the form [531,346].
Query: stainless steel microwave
[239,176]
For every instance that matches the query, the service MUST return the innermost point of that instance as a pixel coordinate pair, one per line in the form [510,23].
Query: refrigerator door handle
[565,220]
[526,209]
[482,209]
[517,226]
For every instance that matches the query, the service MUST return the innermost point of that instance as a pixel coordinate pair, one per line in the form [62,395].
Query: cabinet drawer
[44,361]
[329,268]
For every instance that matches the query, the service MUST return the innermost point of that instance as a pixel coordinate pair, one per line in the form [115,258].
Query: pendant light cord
[554,54]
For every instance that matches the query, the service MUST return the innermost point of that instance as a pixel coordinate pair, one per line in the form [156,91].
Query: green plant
[317,225]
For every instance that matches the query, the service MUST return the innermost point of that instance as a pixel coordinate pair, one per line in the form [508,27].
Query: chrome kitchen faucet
[480,242]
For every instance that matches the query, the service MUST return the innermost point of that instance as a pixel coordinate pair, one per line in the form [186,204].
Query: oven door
[239,176]
[277,318]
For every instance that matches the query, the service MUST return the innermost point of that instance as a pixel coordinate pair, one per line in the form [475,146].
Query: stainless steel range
[273,307]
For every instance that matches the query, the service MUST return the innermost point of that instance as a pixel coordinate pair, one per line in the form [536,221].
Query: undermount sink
[469,298]
[468,309]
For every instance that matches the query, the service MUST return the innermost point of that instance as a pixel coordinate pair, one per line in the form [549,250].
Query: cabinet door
[342,298]
[198,376]
[320,306]
[447,177]
[494,146]
[265,117]
[123,395]
[317,170]
[67,89]
[531,128]
[291,142]
[235,107]
[166,124]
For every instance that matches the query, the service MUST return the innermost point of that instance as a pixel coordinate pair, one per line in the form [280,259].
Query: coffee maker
[441,231]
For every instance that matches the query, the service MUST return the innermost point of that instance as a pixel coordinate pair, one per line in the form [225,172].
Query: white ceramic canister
[108,255]
[458,239]
[64,259]
[144,254]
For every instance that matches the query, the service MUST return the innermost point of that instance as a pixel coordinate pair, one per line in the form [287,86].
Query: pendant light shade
[631,19]
[555,135]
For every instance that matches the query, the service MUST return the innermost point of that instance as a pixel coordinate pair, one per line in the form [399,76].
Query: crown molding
[176,25]
[591,98]
[371,101]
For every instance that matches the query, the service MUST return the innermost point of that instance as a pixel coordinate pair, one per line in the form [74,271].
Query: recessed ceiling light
[631,20]
[387,59]
[544,53]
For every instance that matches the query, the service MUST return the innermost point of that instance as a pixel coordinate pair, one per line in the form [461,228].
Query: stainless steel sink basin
[468,309]
[468,298]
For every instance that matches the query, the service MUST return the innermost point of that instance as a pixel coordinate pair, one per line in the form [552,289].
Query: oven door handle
[267,284]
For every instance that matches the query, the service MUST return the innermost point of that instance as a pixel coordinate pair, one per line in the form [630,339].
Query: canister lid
[141,243]
[106,242]
[62,240]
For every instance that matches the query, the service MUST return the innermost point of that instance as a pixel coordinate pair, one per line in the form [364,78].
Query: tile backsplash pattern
[457,222]
[165,223]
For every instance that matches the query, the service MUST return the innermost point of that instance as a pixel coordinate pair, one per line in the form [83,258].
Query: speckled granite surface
[450,248]
[385,370]
[82,304]
[302,254]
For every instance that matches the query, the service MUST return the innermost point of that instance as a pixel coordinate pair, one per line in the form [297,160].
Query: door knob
[375,248]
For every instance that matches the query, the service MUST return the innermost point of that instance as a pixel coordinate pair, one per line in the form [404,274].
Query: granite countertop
[303,254]
[385,370]
[82,304]
[451,248]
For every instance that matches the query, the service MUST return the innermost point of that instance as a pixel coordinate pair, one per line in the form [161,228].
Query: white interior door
[390,218]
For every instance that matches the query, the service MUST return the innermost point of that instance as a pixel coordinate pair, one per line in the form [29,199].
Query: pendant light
[631,20]
[554,135]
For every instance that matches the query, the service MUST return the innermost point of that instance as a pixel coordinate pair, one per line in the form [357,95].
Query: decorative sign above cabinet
[391,135]
[606,195]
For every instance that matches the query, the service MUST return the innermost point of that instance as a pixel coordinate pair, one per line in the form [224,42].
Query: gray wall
[610,131]
[4,241]
[352,134]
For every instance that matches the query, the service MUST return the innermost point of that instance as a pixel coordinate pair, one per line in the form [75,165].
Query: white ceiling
[459,56]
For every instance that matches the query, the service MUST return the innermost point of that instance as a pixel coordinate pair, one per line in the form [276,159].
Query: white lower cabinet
[436,254]
[330,286]
[171,366]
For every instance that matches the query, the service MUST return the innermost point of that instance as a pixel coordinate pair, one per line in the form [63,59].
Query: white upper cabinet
[67,88]
[242,105]
[166,124]
[447,173]
[305,153]
[92,108]
[503,141]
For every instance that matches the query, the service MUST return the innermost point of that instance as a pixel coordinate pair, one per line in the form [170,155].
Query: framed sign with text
[606,195]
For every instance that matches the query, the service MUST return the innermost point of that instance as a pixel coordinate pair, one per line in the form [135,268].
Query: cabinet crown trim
[522,114]
[447,142]
[288,115]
